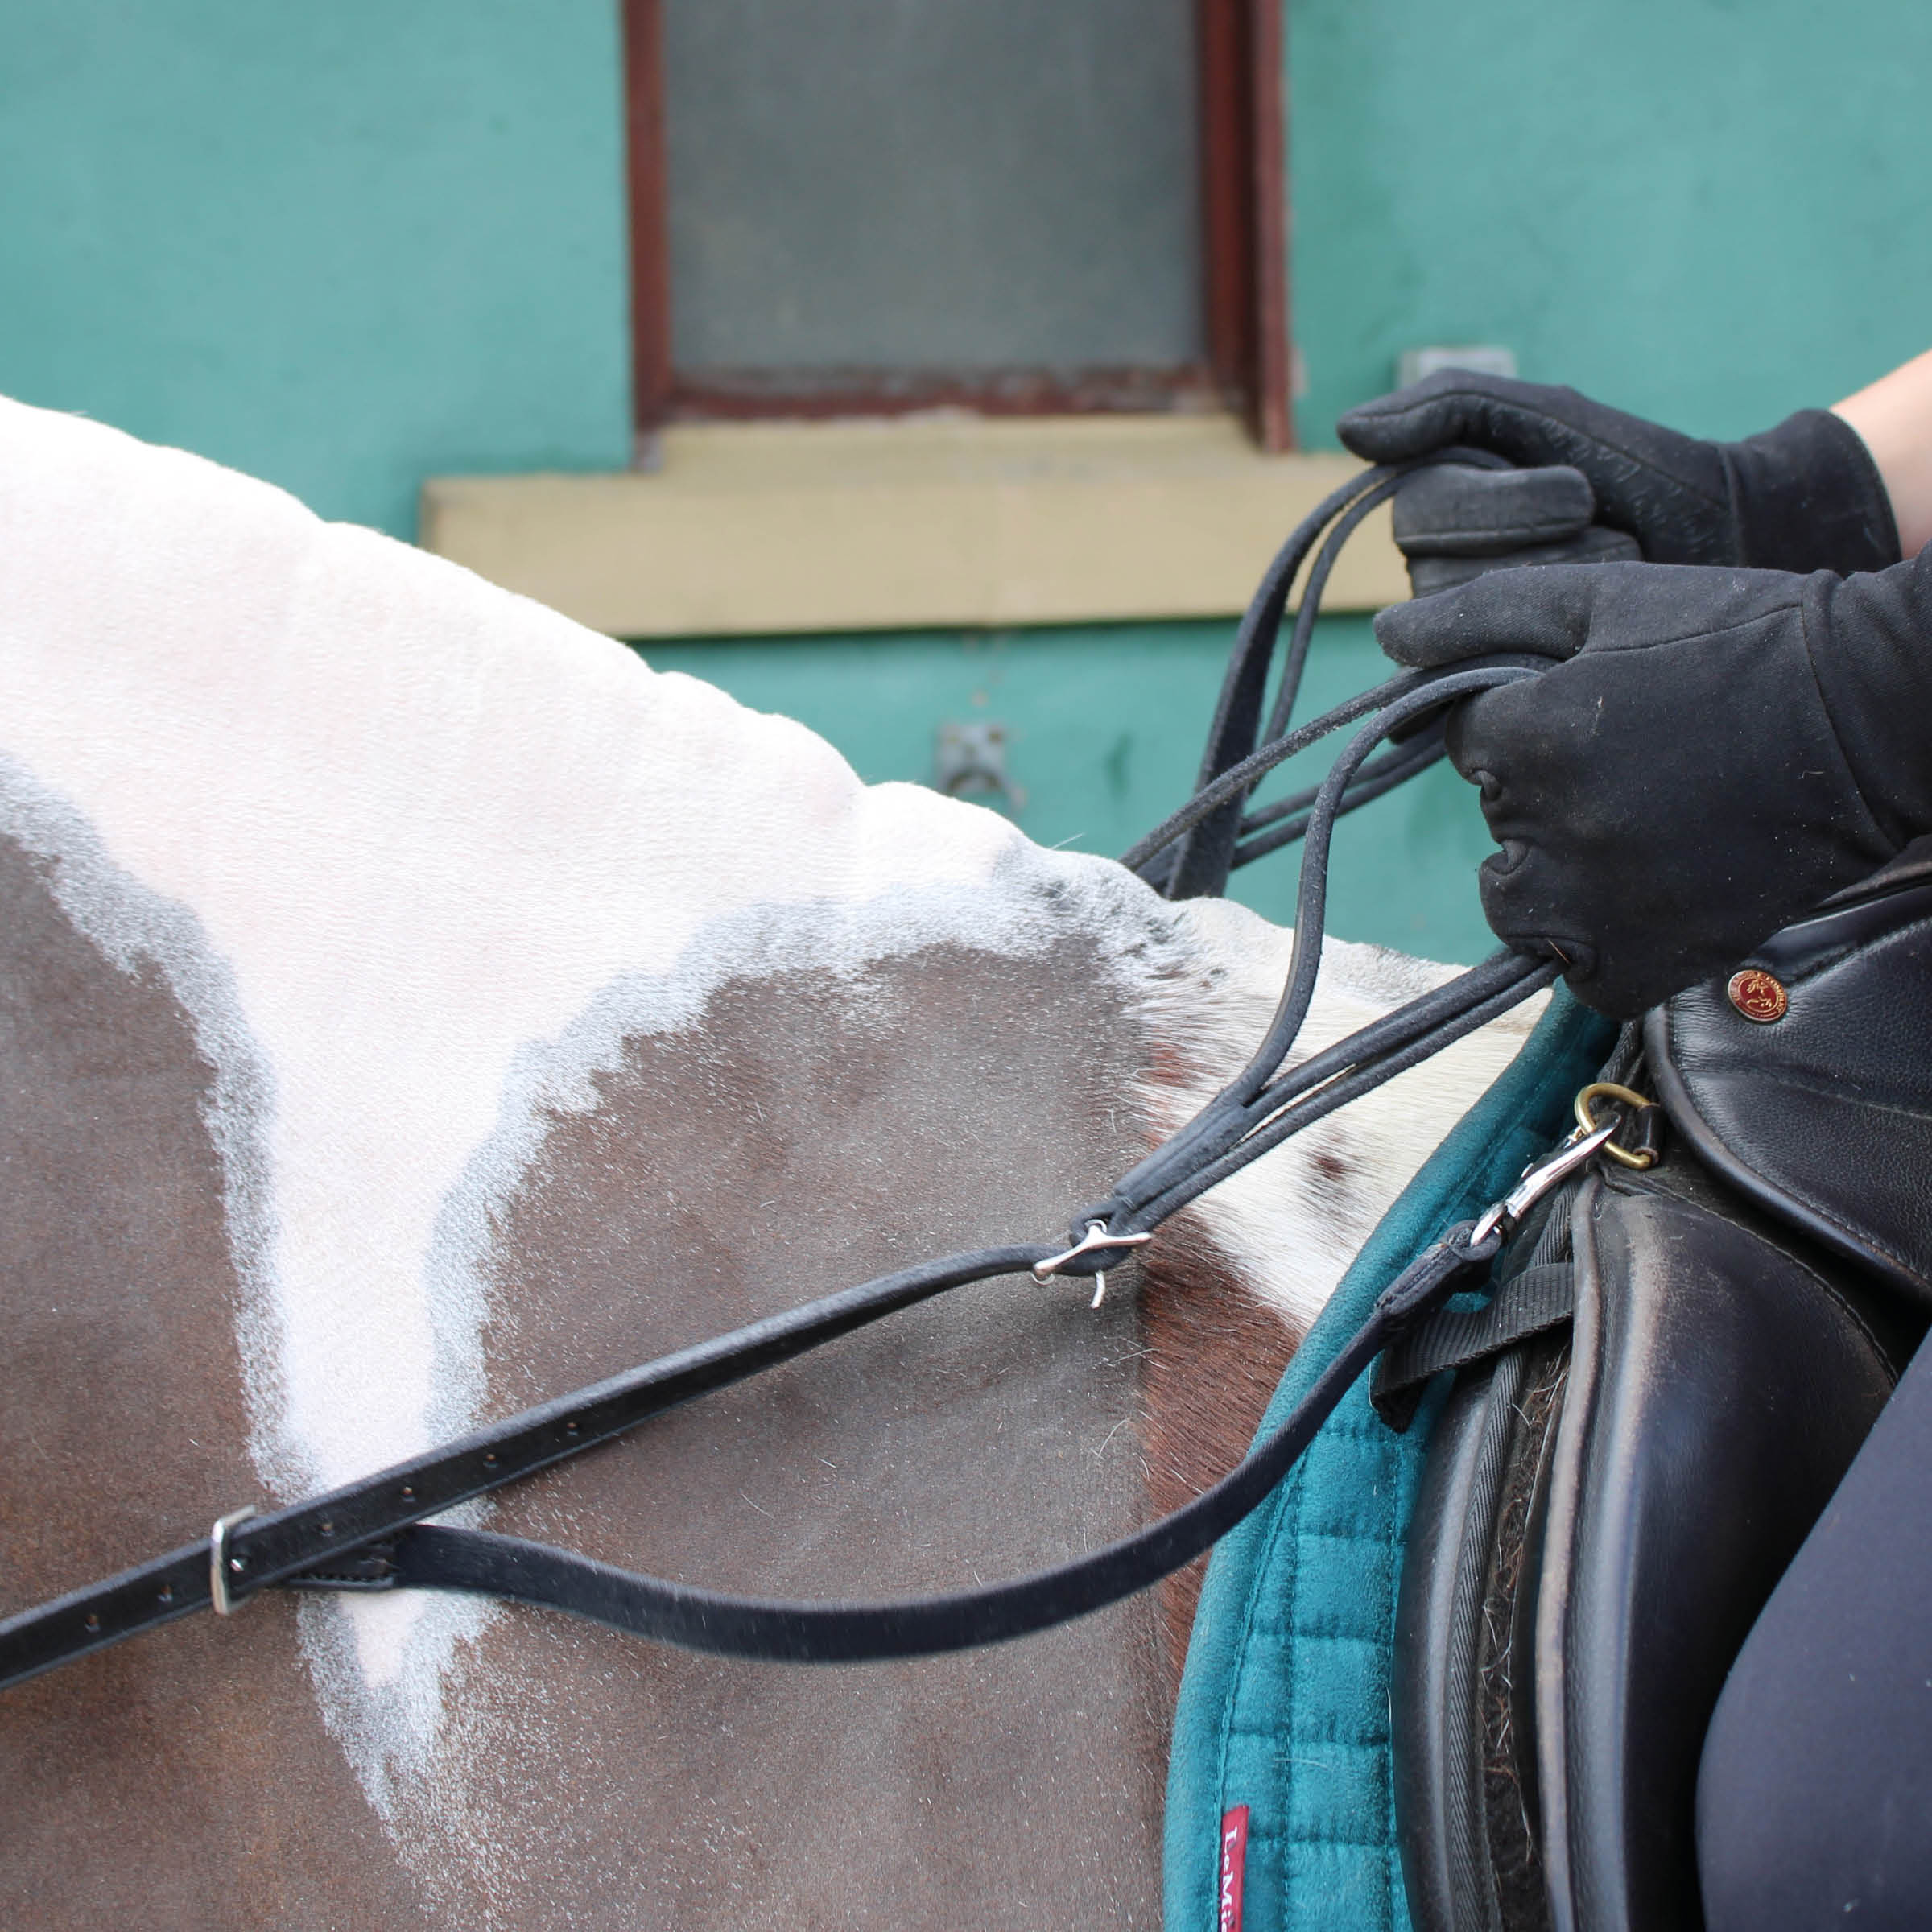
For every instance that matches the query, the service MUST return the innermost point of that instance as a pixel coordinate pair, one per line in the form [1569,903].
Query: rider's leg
[1814,1801]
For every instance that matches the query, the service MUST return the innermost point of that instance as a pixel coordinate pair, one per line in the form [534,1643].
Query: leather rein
[371,1535]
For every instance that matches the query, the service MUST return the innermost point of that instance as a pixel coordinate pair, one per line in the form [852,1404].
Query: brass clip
[1608,1090]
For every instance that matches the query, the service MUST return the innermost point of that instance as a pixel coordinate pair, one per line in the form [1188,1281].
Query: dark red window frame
[1244,194]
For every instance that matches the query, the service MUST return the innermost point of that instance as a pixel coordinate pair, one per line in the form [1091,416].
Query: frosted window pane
[932,185]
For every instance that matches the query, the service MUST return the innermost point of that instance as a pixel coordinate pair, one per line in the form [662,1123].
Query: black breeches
[1814,1801]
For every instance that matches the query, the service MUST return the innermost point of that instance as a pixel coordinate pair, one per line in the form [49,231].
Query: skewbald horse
[411,1007]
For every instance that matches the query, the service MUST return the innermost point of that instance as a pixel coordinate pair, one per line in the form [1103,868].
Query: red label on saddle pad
[1234,1864]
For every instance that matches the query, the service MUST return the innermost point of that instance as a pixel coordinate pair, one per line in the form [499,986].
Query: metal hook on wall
[969,761]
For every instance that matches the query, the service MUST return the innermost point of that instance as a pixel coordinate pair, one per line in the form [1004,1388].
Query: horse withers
[414,1007]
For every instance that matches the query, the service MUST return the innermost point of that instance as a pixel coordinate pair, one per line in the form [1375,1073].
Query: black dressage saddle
[1675,1365]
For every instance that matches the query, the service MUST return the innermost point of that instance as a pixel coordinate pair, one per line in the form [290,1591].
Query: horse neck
[456,1011]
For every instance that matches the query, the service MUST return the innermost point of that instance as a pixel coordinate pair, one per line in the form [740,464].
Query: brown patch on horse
[805,1133]
[1331,1175]
[850,1125]
[184,1778]
[1214,1354]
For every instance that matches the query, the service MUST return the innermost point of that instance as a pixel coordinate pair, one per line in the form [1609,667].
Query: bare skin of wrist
[1893,417]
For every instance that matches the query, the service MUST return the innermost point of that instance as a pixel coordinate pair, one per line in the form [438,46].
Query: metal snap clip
[1095,1236]
[1501,1217]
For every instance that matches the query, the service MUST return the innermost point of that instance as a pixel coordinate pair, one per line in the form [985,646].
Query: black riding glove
[1805,496]
[1715,751]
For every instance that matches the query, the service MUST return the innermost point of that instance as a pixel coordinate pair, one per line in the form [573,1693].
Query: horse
[413,1006]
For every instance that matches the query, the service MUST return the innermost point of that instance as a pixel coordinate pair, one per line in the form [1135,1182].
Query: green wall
[347,246]
[344,246]
[350,245]
[1713,212]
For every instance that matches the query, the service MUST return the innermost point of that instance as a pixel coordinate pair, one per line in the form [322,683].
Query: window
[867,207]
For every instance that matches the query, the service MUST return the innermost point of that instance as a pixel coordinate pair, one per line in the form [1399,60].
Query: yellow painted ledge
[896,526]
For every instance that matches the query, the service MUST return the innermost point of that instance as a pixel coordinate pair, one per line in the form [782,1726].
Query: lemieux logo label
[1234,1864]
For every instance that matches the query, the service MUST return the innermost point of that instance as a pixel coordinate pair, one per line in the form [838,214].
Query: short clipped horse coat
[412,1007]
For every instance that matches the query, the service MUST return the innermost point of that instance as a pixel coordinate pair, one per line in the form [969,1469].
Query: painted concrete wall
[342,246]
[1713,212]
[350,245]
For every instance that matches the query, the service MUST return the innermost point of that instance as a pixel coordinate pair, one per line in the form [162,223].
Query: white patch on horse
[422,826]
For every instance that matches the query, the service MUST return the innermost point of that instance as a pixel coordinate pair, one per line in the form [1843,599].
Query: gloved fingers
[1517,903]
[1509,882]
[1455,510]
[1531,423]
[1544,613]
[1596,545]
[1622,976]
[1454,522]
[1529,748]
[1673,493]
[1469,743]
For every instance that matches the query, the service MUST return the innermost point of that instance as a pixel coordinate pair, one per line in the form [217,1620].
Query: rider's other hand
[1713,752]
[1805,496]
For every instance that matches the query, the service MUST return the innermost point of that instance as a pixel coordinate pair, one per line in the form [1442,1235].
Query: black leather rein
[372,1535]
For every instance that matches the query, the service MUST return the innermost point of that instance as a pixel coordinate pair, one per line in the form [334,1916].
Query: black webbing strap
[1529,1302]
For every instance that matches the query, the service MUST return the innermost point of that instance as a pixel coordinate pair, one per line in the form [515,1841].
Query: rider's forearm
[1894,417]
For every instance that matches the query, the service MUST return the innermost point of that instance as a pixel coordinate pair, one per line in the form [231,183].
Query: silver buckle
[219,1563]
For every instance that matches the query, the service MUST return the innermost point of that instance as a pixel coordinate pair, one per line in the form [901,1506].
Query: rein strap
[386,1508]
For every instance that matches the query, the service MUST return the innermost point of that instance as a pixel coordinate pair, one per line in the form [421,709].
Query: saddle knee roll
[1603,1513]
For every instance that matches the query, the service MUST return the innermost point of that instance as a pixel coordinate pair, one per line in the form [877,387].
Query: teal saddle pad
[1281,1814]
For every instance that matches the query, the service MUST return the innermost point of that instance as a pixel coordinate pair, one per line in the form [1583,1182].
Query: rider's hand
[1805,496]
[1713,752]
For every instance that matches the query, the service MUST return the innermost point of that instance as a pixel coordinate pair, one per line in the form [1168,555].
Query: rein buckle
[1096,1236]
[219,1563]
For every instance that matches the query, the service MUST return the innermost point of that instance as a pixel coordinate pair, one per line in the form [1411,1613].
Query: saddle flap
[1805,1081]
[1601,1518]
[1718,1388]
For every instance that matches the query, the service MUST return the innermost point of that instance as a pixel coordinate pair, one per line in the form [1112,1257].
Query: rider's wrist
[1871,655]
[1808,495]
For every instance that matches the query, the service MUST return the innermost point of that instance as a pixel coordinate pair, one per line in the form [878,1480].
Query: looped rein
[373,1535]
